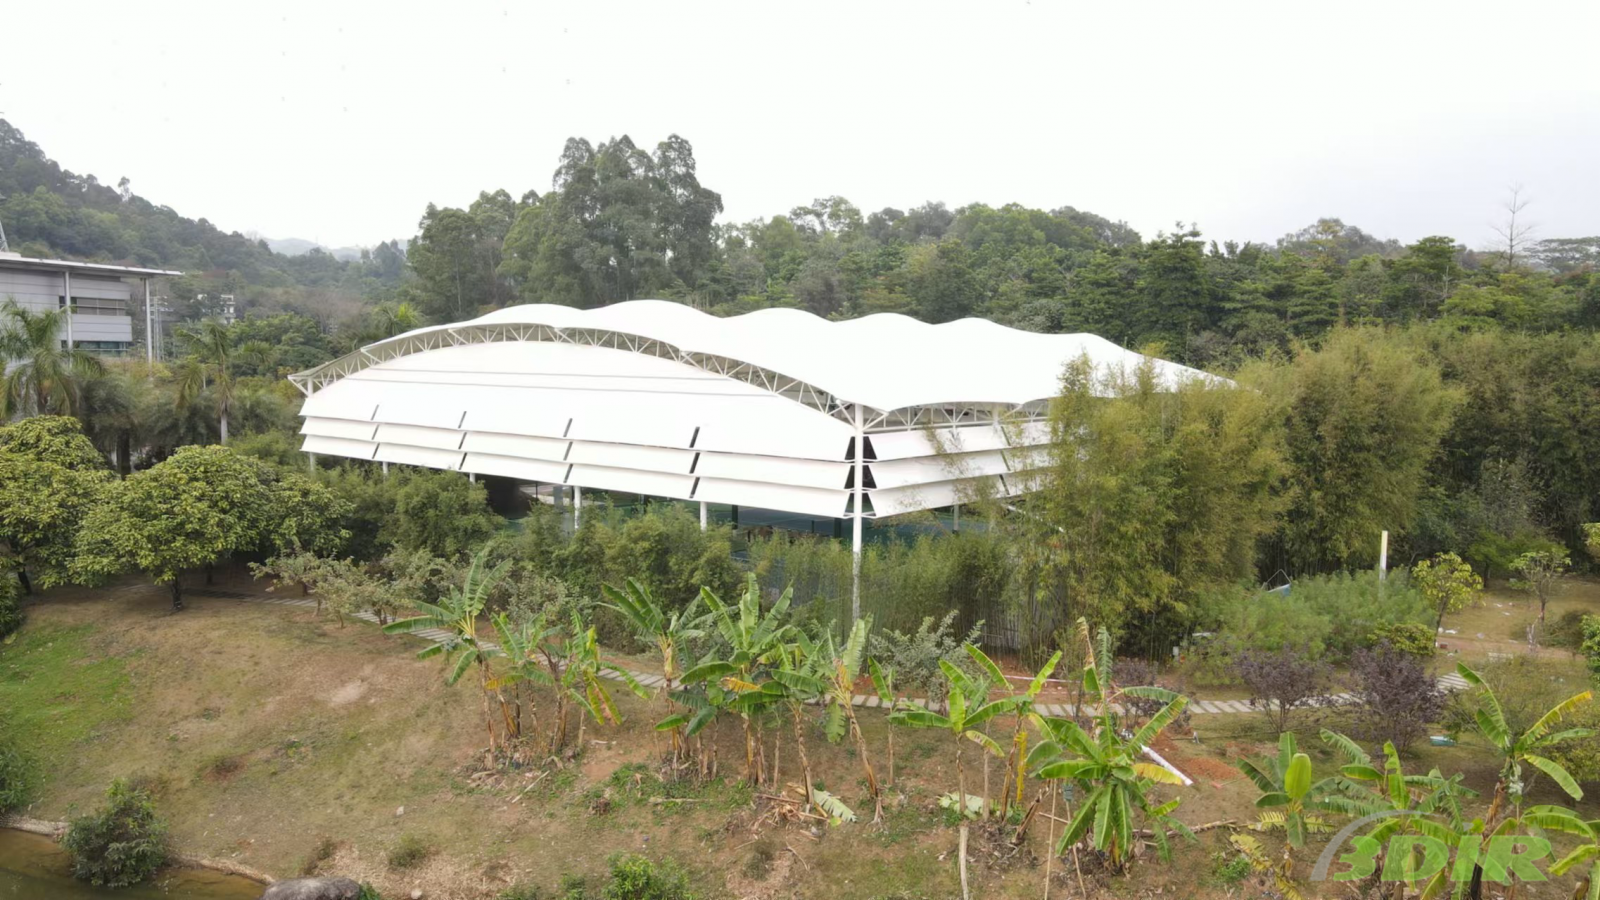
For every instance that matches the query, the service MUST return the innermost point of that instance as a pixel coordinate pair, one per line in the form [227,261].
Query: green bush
[521,892]
[1407,637]
[10,604]
[368,892]
[637,878]
[1332,615]
[1590,646]
[121,844]
[441,512]
[1565,631]
[16,779]
[411,851]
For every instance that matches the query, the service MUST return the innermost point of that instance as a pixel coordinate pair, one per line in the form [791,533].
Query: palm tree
[754,641]
[208,366]
[42,376]
[668,631]
[391,319]
[109,410]
[457,614]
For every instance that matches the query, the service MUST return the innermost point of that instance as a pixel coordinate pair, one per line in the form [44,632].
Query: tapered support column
[385,465]
[311,462]
[702,515]
[855,522]
[577,506]
[66,291]
[149,330]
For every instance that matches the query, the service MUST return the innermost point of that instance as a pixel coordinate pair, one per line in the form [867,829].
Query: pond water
[33,867]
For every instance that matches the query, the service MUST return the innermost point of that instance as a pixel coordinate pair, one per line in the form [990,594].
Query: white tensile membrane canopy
[761,410]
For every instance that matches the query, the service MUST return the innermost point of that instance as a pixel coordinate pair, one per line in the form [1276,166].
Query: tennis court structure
[776,409]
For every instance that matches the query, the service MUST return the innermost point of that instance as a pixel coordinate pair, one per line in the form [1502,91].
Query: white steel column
[958,518]
[702,515]
[855,523]
[66,291]
[577,505]
[149,333]
[385,465]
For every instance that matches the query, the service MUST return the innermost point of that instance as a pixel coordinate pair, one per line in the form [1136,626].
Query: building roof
[885,361]
[17,261]
[757,410]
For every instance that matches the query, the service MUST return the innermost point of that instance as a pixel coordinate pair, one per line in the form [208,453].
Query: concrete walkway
[1450,681]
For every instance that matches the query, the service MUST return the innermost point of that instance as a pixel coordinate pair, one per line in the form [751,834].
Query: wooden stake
[965,895]
[1050,848]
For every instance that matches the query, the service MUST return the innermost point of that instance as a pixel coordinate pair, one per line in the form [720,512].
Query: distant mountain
[301,246]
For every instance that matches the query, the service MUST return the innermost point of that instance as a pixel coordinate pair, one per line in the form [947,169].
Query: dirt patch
[348,693]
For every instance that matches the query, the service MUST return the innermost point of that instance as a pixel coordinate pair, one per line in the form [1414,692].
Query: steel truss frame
[804,393]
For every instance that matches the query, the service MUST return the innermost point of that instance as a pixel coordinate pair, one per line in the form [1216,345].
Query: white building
[101,297]
[762,410]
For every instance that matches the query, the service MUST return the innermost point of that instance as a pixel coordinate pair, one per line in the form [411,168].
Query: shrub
[1283,681]
[1406,637]
[521,892]
[10,604]
[1591,642]
[368,892]
[1324,614]
[915,656]
[1396,696]
[1565,632]
[120,845]
[441,512]
[411,851]
[637,878]
[16,779]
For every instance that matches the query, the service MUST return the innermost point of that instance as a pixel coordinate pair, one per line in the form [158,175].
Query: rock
[313,889]
[400,812]
[416,894]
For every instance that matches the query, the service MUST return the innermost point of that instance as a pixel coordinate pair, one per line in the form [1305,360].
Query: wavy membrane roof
[760,410]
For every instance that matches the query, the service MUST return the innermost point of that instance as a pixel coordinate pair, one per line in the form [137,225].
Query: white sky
[340,122]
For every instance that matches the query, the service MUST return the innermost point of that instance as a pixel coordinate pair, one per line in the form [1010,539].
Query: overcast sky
[339,123]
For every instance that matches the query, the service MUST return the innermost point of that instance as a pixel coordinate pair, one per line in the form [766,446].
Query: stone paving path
[1449,681]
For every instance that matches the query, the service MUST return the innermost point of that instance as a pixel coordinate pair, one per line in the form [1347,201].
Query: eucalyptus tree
[753,641]
[669,631]
[457,613]
[42,377]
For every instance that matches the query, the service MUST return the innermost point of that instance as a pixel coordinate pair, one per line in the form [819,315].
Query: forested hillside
[50,211]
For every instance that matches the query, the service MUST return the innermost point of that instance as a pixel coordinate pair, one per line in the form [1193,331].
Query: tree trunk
[177,595]
[27,583]
[124,454]
[224,425]
[866,763]
[805,761]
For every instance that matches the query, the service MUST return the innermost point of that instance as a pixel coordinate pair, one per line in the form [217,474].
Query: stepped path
[1449,681]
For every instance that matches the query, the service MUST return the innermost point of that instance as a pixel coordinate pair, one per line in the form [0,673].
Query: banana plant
[1527,747]
[669,631]
[883,686]
[1517,749]
[1016,769]
[457,614]
[1290,800]
[754,640]
[967,709]
[1585,857]
[843,670]
[1427,804]
[1116,781]
[801,678]
[583,682]
[519,645]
